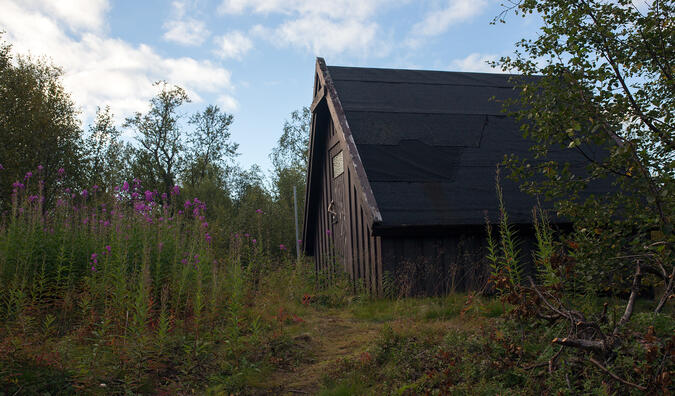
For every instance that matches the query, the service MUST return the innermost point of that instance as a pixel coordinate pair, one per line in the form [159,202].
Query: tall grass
[133,273]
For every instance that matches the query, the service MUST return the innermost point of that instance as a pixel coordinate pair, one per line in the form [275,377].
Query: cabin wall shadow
[443,264]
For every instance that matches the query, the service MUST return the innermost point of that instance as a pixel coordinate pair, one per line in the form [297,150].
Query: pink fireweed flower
[175,190]
[108,248]
[164,196]
[33,198]
[93,269]
[183,261]
[246,235]
[282,247]
[187,204]
[61,172]
[40,167]
[259,211]
[148,195]
[196,258]
[205,224]
[1,167]
[254,240]
[95,187]
[125,186]
[94,258]
[84,193]
[180,212]
[67,190]
[28,175]
[207,237]
[134,195]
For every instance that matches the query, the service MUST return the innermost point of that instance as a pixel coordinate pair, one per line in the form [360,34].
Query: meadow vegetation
[160,266]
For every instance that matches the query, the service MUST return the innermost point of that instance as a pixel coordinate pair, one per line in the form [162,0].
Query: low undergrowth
[136,293]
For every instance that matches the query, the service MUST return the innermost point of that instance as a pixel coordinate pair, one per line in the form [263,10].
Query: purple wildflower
[164,196]
[125,186]
[61,172]
[246,235]
[207,237]
[93,269]
[259,211]
[205,224]
[28,175]
[1,167]
[134,195]
[175,190]
[33,198]
[108,248]
[183,261]
[148,195]
[254,240]
[187,204]
[40,167]
[95,187]
[282,247]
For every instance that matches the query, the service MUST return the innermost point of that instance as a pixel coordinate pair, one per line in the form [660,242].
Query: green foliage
[506,269]
[606,93]
[159,136]
[108,159]
[38,125]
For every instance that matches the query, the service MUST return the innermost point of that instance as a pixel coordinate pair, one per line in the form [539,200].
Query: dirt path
[330,337]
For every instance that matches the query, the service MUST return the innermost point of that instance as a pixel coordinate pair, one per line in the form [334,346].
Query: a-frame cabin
[402,176]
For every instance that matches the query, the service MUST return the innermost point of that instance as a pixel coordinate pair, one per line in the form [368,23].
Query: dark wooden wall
[343,240]
[443,263]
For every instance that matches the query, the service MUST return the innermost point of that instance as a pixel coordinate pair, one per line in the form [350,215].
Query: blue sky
[253,58]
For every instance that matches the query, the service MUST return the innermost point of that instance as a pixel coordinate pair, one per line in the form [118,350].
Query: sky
[254,59]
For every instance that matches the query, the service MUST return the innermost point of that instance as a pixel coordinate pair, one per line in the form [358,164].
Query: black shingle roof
[430,142]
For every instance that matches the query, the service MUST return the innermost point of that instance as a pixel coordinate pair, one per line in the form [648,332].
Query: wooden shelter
[402,176]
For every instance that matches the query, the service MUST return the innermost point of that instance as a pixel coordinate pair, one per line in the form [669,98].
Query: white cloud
[475,62]
[183,29]
[76,14]
[439,21]
[188,31]
[100,70]
[233,45]
[324,27]
[228,103]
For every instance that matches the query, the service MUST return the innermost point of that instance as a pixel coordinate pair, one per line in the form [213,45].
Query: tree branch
[616,377]
[635,288]
[666,293]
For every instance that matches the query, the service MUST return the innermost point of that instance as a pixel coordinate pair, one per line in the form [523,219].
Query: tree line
[40,127]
